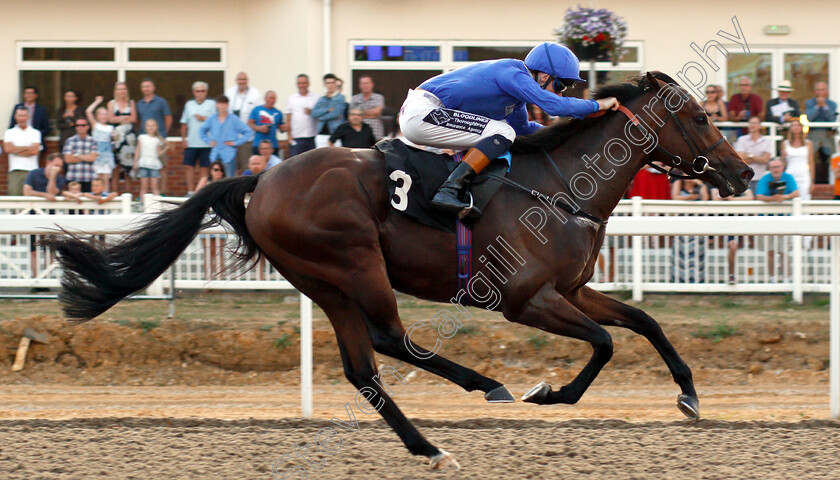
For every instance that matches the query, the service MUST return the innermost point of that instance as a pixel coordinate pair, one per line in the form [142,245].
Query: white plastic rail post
[834,329]
[797,255]
[151,204]
[305,356]
[637,253]
[125,203]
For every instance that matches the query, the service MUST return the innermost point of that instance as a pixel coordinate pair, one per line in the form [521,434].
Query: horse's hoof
[537,394]
[443,460]
[499,394]
[689,406]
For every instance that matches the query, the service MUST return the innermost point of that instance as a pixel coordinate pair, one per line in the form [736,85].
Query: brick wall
[174,171]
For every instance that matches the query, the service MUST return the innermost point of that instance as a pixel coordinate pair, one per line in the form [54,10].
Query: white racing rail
[645,219]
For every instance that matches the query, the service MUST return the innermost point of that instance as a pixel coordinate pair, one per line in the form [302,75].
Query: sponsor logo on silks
[509,109]
[439,116]
[465,122]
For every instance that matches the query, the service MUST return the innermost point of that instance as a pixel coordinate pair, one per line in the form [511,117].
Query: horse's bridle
[699,165]
[675,159]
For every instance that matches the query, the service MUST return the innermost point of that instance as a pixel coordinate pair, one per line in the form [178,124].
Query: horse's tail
[97,276]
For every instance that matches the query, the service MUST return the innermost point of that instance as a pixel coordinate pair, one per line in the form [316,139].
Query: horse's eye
[701,119]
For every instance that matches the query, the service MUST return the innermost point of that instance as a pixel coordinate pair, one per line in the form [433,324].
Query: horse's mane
[549,138]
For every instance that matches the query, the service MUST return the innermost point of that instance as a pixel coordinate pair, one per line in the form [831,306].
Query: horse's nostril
[747,174]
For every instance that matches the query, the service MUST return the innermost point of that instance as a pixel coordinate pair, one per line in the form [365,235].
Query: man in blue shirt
[821,109]
[776,185]
[225,132]
[153,106]
[482,107]
[196,151]
[264,120]
[329,110]
[46,182]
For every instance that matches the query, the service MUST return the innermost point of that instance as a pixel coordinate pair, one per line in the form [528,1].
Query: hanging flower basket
[594,35]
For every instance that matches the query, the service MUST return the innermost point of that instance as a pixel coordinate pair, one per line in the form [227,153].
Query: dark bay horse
[324,220]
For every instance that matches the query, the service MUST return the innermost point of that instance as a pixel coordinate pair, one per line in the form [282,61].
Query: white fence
[635,222]
[22,264]
[644,263]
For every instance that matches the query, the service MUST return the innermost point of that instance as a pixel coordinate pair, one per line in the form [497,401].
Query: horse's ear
[653,82]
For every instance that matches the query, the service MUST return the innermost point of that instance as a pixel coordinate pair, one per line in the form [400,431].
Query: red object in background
[651,185]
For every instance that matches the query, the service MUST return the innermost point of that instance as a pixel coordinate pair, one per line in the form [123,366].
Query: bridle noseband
[699,165]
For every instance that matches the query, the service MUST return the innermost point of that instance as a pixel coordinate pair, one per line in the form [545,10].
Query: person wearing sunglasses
[80,152]
[482,107]
[714,106]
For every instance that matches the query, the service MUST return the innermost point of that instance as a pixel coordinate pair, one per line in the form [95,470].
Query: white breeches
[425,121]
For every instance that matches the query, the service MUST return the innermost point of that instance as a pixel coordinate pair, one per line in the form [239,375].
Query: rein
[699,165]
[565,206]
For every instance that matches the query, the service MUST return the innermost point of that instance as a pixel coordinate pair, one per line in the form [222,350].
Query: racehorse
[324,221]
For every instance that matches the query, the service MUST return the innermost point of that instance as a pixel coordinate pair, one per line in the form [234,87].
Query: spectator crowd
[106,143]
[121,140]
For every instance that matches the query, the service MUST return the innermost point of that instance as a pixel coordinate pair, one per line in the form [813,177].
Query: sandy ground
[439,402]
[70,432]
[213,394]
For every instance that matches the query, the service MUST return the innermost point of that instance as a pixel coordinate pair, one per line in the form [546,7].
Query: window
[804,70]
[92,68]
[52,84]
[396,53]
[175,88]
[69,54]
[393,85]
[174,54]
[756,67]
[396,66]
[602,77]
[477,54]
[767,66]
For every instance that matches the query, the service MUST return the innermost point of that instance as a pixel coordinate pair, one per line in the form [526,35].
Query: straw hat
[784,86]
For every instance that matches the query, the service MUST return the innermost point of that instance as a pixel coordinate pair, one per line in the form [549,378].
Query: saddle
[415,175]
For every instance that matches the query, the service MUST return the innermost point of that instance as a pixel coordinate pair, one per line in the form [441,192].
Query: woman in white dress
[798,153]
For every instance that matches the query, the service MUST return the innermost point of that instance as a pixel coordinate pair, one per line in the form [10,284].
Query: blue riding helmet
[554,59]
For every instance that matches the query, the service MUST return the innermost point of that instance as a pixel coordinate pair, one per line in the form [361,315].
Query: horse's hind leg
[360,368]
[608,311]
[376,298]
[549,311]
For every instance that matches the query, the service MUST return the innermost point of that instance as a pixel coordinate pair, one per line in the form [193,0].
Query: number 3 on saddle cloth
[415,175]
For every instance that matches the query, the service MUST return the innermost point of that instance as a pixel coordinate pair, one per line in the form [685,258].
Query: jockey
[482,107]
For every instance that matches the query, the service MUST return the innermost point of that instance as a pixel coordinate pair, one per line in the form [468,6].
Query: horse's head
[688,141]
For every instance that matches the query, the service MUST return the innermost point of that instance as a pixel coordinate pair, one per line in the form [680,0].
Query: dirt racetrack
[58,432]
[213,394]
[534,449]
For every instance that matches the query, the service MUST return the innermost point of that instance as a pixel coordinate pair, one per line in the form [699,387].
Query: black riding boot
[446,197]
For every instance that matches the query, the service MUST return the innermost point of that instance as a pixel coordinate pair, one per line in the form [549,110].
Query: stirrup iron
[468,209]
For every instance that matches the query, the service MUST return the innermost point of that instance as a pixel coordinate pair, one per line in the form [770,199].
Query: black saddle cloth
[415,175]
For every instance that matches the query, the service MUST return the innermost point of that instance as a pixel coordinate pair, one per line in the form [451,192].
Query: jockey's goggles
[560,84]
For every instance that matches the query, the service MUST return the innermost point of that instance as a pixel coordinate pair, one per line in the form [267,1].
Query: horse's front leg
[607,311]
[549,311]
